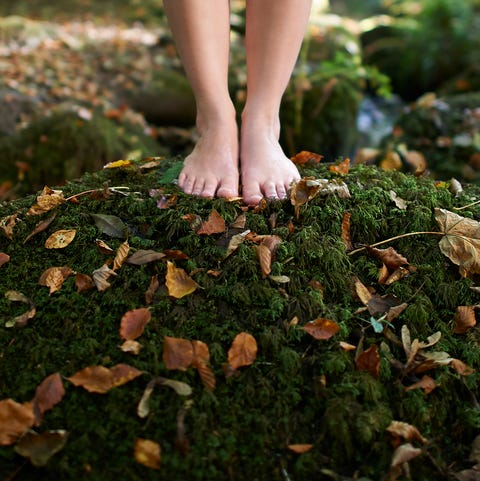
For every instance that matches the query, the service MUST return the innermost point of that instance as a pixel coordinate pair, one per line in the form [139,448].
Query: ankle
[261,123]
[216,118]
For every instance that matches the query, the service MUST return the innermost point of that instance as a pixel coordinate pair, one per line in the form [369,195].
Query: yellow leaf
[179,283]
[118,163]
[60,239]
[148,453]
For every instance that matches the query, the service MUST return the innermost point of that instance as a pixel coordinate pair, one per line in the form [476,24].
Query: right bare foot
[212,167]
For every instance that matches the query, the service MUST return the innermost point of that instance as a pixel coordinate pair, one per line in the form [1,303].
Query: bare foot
[266,170]
[212,167]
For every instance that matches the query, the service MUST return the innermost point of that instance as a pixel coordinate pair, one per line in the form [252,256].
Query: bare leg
[275,30]
[201,29]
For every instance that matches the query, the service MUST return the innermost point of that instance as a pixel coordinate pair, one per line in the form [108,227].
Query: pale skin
[274,34]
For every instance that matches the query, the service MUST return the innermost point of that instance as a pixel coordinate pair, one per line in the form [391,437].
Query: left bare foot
[266,171]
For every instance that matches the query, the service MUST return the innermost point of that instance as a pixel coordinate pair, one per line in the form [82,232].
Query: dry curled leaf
[47,200]
[369,360]
[179,283]
[177,353]
[321,328]
[100,277]
[303,191]
[121,255]
[142,257]
[342,168]
[132,347]
[60,239]
[133,323]
[305,157]
[390,257]
[201,358]
[15,419]
[39,448]
[7,225]
[152,289]
[403,454]
[40,227]
[48,393]
[243,351]
[427,383]
[54,277]
[214,225]
[462,368]
[100,379]
[461,242]
[22,319]
[83,282]
[148,453]
[103,247]
[464,319]
[404,431]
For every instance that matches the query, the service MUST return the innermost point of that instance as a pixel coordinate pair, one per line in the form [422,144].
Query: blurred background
[390,82]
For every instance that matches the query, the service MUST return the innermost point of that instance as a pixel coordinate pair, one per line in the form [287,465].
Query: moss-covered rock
[299,390]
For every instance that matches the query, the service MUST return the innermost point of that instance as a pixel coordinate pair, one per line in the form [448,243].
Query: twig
[467,206]
[386,241]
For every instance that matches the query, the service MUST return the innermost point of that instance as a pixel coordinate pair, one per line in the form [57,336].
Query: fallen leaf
[142,257]
[177,353]
[240,222]
[214,225]
[15,419]
[321,328]
[48,393]
[379,305]
[426,383]
[54,277]
[103,247]
[305,157]
[362,291]
[22,319]
[390,257]
[39,448]
[280,279]
[148,453]
[300,448]
[175,254]
[7,225]
[461,242]
[182,443]
[121,255]
[403,454]
[100,379]
[462,368]
[179,283]
[342,168]
[40,227]
[404,431]
[60,239]
[201,358]
[83,282]
[235,241]
[110,225]
[100,277]
[464,319]
[369,360]
[399,202]
[133,323]
[118,164]
[4,258]
[152,289]
[346,346]
[47,200]
[132,347]
[345,235]
[264,255]
[303,191]
[243,351]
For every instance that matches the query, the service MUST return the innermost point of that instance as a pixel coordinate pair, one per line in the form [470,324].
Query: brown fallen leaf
[100,379]
[390,257]
[461,242]
[4,258]
[132,347]
[83,282]
[402,431]
[40,227]
[179,283]
[103,247]
[464,319]
[300,448]
[321,328]
[54,277]
[47,200]
[345,229]
[7,225]
[152,289]
[403,454]
[243,351]
[427,383]
[213,225]
[369,360]
[15,419]
[39,448]
[342,168]
[177,353]
[264,255]
[148,453]
[240,222]
[462,368]
[100,277]
[133,323]
[201,358]
[175,254]
[48,393]
[121,255]
[305,157]
[142,257]
[182,443]
[60,239]
[303,191]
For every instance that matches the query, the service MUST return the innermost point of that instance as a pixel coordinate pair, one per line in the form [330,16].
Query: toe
[209,188]
[270,190]
[188,185]
[281,191]
[198,187]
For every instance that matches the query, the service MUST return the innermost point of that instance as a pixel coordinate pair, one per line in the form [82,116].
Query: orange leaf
[15,419]
[214,225]
[48,393]
[243,351]
[346,231]
[264,255]
[201,357]
[305,157]
[100,379]
[177,353]
[83,282]
[152,288]
[342,168]
[4,258]
[303,191]
[133,323]
[60,239]
[462,368]
[321,328]
[175,254]
[369,360]
[121,255]
[54,277]
[148,453]
[179,283]
[426,383]
[390,257]
[464,319]
[300,448]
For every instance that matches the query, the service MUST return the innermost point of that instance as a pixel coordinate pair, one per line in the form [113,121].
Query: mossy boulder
[299,390]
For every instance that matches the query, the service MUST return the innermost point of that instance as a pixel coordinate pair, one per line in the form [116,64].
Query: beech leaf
[152,289]
[100,277]
[342,168]
[121,255]
[243,351]
[103,247]
[369,360]
[213,225]
[404,431]
[464,319]
[390,257]
[177,353]
[321,328]
[48,393]
[60,239]
[141,257]
[306,157]
[4,258]
[148,453]
[132,347]
[83,282]
[426,383]
[15,419]
[403,454]
[39,448]
[54,277]
[201,358]
[22,319]
[40,227]
[7,225]
[179,283]
[110,225]
[133,323]
[47,200]
[345,231]
[461,242]
[300,448]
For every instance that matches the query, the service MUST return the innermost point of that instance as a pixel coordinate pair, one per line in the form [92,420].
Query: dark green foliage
[299,390]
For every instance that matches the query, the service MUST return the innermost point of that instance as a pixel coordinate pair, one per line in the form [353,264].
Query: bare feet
[266,170]
[212,168]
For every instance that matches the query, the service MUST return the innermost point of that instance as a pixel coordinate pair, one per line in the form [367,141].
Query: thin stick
[467,206]
[386,241]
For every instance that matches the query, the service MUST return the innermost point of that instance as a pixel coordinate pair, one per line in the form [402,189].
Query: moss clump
[299,390]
